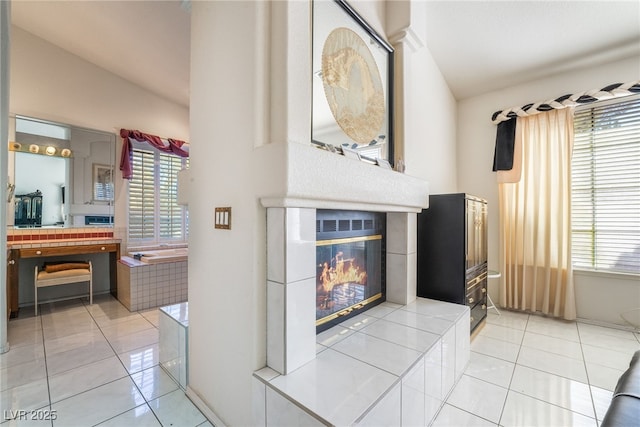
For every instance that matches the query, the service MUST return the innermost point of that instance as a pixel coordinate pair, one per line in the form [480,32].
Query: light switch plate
[222,218]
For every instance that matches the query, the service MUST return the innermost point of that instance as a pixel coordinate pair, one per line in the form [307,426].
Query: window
[154,214]
[606,187]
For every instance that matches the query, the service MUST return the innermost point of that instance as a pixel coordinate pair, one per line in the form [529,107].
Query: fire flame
[341,273]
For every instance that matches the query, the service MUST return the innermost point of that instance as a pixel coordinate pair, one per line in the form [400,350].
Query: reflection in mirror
[61,161]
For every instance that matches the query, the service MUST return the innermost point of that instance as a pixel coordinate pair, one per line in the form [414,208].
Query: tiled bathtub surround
[393,365]
[142,286]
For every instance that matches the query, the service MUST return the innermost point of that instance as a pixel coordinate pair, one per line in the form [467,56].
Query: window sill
[607,274]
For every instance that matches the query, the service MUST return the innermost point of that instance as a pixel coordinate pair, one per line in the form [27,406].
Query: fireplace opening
[350,264]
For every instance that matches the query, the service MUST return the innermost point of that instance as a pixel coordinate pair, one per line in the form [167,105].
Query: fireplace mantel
[319,179]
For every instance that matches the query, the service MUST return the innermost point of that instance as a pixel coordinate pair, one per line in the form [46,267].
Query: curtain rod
[570,100]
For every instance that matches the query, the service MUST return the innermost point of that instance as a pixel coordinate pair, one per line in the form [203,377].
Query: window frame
[598,263]
[184,222]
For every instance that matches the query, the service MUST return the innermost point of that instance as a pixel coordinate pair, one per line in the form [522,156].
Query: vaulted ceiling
[479,46]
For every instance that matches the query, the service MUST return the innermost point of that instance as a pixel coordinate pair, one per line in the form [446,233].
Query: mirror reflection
[62,175]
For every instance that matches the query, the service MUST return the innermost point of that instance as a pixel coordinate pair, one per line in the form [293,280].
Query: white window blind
[170,213]
[154,214]
[606,187]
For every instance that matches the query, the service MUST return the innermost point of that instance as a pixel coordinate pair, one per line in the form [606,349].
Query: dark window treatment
[174,146]
[506,119]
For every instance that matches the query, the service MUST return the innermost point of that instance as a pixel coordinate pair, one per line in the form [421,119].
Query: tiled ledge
[37,234]
[27,244]
[393,365]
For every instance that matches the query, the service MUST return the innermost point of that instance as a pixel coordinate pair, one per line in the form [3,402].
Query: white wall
[227,271]
[50,83]
[249,98]
[476,140]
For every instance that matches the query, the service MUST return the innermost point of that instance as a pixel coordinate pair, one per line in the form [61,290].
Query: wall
[248,125]
[50,83]
[476,140]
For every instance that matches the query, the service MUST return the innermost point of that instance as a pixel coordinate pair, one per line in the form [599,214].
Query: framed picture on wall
[352,80]
[102,183]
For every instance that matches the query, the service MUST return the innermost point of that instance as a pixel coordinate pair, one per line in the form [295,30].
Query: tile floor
[89,365]
[529,370]
[98,365]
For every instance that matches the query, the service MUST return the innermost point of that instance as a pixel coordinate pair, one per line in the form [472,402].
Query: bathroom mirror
[71,166]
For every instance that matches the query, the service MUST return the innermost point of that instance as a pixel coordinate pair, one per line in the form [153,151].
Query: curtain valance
[173,146]
[506,119]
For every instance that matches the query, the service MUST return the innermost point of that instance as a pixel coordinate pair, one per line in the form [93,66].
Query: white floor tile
[71,342]
[152,316]
[22,374]
[553,363]
[521,410]
[608,357]
[91,407]
[18,337]
[496,348]
[22,354]
[602,330]
[479,398]
[78,356]
[602,376]
[177,410]
[85,378]
[553,327]
[450,416]
[490,369]
[610,342]
[25,397]
[509,319]
[141,416]
[559,391]
[154,382]
[601,401]
[140,358]
[502,333]
[553,345]
[131,326]
[136,340]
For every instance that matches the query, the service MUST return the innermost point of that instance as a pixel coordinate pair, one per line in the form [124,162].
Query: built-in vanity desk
[42,243]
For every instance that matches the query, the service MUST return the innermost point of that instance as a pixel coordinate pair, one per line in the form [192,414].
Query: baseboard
[607,325]
[206,411]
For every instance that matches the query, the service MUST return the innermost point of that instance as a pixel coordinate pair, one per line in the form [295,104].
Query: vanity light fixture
[49,150]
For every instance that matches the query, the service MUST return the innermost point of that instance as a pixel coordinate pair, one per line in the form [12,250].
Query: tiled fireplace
[344,375]
[337,183]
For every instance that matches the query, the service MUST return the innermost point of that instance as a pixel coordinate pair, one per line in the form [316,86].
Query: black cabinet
[452,252]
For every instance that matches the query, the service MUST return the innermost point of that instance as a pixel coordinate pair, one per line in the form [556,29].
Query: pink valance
[174,146]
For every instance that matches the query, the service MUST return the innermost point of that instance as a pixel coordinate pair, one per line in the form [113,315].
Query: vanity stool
[62,274]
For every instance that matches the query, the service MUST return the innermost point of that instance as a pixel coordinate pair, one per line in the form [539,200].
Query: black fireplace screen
[348,275]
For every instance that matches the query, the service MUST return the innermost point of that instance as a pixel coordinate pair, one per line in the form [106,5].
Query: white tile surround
[392,365]
[371,372]
[291,278]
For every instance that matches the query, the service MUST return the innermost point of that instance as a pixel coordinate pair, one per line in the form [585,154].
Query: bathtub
[161,255]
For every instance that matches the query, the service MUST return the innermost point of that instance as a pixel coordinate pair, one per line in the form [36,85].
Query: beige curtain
[535,219]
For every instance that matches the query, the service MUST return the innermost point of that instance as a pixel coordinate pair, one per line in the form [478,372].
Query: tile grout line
[146,402]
